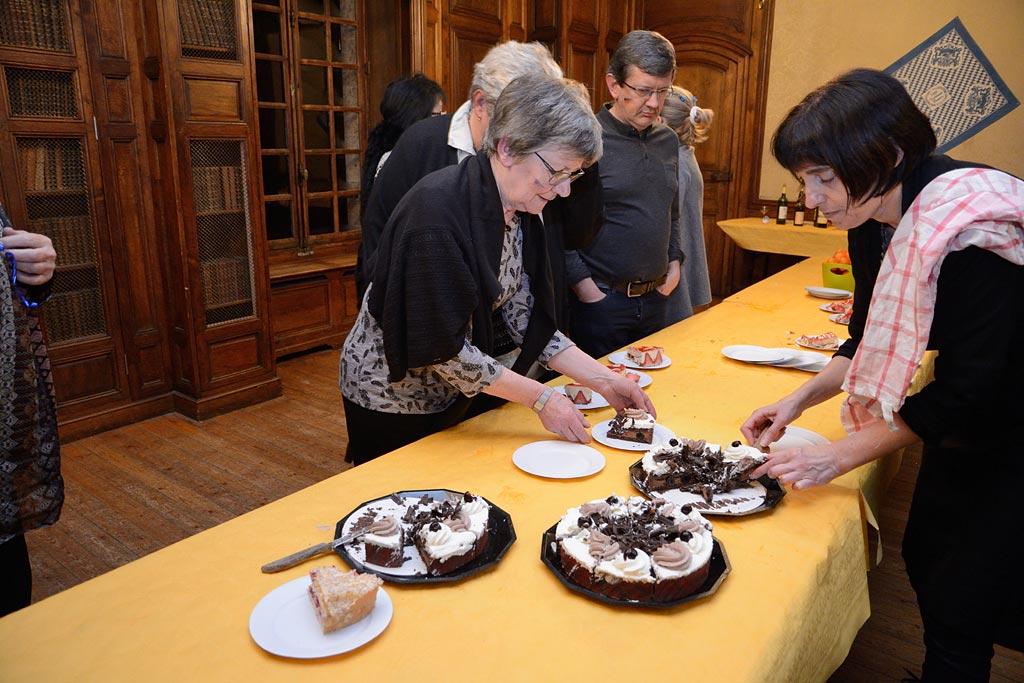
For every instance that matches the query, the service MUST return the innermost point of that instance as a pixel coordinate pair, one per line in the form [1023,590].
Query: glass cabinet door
[310,120]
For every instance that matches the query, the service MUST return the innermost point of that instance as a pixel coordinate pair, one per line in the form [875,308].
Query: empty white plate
[558,459]
[754,354]
[828,293]
[596,400]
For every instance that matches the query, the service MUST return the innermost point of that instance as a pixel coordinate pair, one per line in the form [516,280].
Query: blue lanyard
[5,222]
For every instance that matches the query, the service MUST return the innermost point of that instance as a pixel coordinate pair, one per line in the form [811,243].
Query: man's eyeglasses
[558,176]
[645,93]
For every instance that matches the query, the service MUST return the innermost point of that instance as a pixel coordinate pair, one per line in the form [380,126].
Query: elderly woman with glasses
[462,262]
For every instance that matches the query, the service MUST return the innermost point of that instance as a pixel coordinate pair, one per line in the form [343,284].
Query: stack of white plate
[798,359]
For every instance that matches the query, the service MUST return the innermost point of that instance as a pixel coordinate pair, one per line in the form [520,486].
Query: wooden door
[722,57]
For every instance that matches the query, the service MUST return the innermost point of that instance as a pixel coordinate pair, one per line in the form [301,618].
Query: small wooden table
[795,240]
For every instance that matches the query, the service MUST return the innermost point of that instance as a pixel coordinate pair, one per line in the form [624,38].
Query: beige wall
[814,40]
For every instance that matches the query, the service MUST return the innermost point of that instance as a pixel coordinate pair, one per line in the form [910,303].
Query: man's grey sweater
[640,180]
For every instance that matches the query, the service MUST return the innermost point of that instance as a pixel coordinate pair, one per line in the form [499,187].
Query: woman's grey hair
[505,62]
[648,51]
[537,111]
[681,113]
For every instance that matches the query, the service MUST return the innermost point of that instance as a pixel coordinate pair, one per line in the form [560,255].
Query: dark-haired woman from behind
[406,100]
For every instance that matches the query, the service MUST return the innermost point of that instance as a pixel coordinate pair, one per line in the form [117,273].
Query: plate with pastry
[707,477]
[840,306]
[826,341]
[631,430]
[583,397]
[324,613]
[425,536]
[641,378]
[642,357]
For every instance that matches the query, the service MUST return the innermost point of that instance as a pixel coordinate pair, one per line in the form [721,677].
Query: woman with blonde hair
[692,124]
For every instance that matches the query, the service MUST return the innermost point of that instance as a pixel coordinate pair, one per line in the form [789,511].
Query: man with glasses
[623,278]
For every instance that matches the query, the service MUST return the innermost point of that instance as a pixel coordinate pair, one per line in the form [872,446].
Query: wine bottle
[820,220]
[798,209]
[780,216]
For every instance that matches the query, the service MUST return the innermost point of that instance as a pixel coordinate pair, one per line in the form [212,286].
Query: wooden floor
[134,490]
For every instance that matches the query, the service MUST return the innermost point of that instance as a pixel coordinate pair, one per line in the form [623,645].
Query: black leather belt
[637,287]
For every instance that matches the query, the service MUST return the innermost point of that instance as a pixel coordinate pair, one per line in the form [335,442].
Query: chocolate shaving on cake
[697,468]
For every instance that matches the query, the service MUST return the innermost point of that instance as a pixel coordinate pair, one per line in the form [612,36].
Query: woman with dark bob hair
[462,262]
[406,100]
[938,259]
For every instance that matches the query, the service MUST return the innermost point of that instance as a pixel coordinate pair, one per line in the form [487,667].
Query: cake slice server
[309,553]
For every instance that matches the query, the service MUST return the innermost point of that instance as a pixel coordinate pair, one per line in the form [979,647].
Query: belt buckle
[643,287]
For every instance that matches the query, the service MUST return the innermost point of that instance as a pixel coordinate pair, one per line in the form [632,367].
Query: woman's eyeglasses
[559,176]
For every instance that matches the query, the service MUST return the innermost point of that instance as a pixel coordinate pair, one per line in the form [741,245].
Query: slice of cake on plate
[620,369]
[645,356]
[384,542]
[450,534]
[632,424]
[340,598]
[579,394]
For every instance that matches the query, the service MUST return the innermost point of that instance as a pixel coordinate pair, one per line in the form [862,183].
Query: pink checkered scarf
[967,207]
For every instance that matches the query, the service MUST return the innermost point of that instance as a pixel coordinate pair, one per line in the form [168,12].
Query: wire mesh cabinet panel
[223,230]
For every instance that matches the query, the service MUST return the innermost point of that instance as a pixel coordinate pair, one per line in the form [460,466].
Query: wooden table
[795,240]
[789,610]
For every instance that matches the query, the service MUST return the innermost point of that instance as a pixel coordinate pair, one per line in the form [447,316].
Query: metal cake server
[309,553]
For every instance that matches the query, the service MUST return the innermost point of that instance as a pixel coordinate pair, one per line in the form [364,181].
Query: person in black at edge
[31,487]
[865,154]
[462,245]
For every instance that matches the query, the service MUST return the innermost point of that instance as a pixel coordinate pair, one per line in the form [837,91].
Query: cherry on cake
[645,356]
[632,424]
[695,467]
[579,394]
[635,549]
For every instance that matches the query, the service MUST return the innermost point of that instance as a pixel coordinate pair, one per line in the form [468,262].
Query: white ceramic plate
[828,293]
[798,436]
[600,434]
[838,318]
[558,459]
[596,400]
[620,358]
[800,359]
[283,623]
[645,379]
[754,354]
[736,501]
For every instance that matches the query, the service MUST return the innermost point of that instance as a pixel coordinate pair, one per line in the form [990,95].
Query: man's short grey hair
[505,62]
[648,51]
[537,111]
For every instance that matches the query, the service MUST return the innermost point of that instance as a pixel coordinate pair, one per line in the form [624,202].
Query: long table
[789,610]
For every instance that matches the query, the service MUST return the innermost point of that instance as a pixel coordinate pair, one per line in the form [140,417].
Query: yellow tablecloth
[802,240]
[789,610]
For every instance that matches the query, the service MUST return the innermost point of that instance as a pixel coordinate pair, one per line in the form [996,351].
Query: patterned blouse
[433,388]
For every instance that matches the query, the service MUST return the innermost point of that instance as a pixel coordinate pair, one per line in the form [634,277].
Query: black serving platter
[501,537]
[717,571]
[774,492]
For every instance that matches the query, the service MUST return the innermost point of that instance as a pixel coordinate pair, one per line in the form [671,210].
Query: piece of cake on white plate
[646,356]
[579,394]
[340,598]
